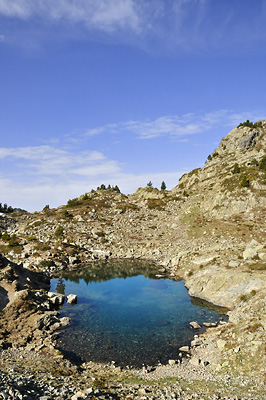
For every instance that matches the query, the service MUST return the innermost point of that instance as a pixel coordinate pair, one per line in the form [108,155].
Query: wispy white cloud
[32,177]
[175,126]
[106,15]
[190,25]
[34,195]
[52,161]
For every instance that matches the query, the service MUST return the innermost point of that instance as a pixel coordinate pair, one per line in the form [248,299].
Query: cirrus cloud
[177,126]
[106,15]
[32,177]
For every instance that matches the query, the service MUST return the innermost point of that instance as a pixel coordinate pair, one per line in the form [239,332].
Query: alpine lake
[128,313]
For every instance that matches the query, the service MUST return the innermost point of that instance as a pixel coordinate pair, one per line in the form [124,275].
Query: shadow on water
[127,314]
[208,306]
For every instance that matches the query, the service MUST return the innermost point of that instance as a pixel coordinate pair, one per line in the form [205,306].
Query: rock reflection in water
[127,315]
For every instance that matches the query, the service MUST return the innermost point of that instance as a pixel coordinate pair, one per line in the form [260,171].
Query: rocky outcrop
[223,287]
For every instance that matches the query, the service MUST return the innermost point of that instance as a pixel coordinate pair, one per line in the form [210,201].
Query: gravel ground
[30,375]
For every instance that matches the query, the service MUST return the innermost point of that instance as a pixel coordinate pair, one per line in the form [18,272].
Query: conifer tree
[163,185]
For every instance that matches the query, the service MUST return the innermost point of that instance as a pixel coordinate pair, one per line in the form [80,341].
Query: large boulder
[56,299]
[72,299]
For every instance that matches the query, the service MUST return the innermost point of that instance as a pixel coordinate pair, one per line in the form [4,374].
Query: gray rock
[195,361]
[72,299]
[233,264]
[248,141]
[64,321]
[249,253]
[171,362]
[194,325]
[209,324]
[196,342]
[184,349]
[56,298]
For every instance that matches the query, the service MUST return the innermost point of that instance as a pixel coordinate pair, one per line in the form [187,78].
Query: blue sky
[121,92]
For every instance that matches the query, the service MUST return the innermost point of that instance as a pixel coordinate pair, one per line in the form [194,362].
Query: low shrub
[59,232]
[262,164]
[250,124]
[42,247]
[31,238]
[13,241]
[74,202]
[46,263]
[156,204]
[5,237]
[236,169]
[245,181]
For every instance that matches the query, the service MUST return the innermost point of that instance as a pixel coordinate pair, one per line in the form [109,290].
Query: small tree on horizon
[163,185]
[149,184]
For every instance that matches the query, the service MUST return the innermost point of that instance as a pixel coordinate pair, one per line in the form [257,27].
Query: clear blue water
[127,315]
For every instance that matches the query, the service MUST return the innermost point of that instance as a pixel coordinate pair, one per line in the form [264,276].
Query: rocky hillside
[209,230]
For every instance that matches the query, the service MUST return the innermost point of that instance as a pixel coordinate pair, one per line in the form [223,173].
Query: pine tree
[163,185]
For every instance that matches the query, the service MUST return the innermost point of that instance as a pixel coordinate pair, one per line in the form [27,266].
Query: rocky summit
[209,230]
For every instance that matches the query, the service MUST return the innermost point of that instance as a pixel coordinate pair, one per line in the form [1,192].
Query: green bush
[236,169]
[74,202]
[245,181]
[46,263]
[31,238]
[66,214]
[156,204]
[59,232]
[42,247]
[262,164]
[254,162]
[13,241]
[250,124]
[5,237]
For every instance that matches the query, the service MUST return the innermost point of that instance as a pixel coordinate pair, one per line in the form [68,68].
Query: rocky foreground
[209,230]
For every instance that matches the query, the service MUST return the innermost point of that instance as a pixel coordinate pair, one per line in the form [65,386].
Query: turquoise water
[128,315]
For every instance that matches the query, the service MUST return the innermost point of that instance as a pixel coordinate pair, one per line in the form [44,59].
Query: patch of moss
[42,247]
[157,204]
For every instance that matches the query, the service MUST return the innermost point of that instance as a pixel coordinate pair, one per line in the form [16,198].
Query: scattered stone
[220,344]
[249,253]
[210,324]
[184,349]
[195,361]
[194,325]
[233,264]
[171,362]
[196,342]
